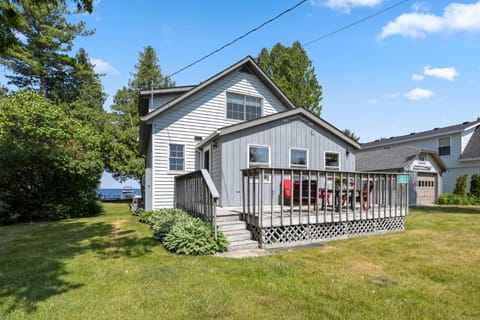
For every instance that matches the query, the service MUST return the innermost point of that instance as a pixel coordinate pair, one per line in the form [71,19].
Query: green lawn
[110,267]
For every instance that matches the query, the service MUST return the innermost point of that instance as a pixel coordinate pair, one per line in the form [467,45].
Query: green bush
[144,215]
[455,199]
[461,185]
[193,237]
[50,164]
[475,185]
[163,220]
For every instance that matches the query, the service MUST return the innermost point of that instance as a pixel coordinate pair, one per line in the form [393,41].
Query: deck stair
[235,231]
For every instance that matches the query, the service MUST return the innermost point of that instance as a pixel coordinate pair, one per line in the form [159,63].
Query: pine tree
[41,60]
[291,69]
[125,160]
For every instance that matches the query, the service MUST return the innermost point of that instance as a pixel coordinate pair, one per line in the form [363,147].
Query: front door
[206,159]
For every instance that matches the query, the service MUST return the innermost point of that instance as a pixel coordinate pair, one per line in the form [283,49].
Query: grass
[110,267]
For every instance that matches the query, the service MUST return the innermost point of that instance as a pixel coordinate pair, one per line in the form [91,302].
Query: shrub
[162,221]
[193,237]
[455,199]
[50,164]
[144,215]
[461,185]
[475,185]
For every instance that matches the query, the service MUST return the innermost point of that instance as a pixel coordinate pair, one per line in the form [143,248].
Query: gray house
[424,167]
[236,152]
[234,120]
[458,146]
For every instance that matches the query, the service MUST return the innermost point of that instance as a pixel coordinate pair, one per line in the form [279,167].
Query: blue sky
[410,69]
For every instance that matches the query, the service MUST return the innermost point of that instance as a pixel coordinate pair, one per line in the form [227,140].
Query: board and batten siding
[280,136]
[199,115]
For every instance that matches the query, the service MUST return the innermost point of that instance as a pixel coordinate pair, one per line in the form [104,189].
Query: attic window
[242,107]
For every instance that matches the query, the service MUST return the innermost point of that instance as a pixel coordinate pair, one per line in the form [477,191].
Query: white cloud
[418,94]
[346,5]
[420,6]
[443,73]
[372,101]
[457,17]
[101,66]
[417,77]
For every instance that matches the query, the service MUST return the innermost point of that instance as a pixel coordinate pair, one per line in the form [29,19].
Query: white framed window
[422,157]
[259,156]
[176,157]
[444,146]
[242,107]
[332,161]
[298,158]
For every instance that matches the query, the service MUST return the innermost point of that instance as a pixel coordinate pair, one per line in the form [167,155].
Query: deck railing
[196,193]
[283,197]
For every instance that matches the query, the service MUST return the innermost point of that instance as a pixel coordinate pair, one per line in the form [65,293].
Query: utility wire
[237,39]
[356,22]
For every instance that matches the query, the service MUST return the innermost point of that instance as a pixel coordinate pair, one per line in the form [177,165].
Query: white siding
[199,115]
[160,100]
[466,138]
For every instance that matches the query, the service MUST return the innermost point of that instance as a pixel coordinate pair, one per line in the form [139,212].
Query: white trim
[205,149]
[449,145]
[325,158]
[244,105]
[184,155]
[305,166]
[267,177]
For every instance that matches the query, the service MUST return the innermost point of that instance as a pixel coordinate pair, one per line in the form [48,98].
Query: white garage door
[426,189]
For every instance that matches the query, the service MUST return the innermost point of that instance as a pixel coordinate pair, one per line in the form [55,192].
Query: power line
[355,22]
[239,38]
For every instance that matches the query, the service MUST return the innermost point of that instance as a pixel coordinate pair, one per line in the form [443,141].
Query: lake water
[110,193]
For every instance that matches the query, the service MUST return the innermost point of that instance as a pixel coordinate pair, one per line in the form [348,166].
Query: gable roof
[278,116]
[472,150]
[247,63]
[419,135]
[394,158]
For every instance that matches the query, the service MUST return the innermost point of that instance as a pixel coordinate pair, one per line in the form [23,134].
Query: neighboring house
[424,167]
[236,119]
[458,146]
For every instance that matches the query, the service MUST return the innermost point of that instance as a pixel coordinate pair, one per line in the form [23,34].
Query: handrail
[196,193]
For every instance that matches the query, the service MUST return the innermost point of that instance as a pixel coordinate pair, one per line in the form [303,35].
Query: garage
[426,188]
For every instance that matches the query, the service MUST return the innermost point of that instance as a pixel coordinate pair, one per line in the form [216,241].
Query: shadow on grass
[33,258]
[447,209]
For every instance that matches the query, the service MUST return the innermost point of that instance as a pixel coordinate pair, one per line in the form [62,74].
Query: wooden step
[228,217]
[236,235]
[242,245]
[231,225]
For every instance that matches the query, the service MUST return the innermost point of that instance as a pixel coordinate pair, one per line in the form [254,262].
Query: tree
[41,60]
[291,69]
[351,135]
[475,185]
[50,164]
[125,160]
[461,185]
[11,19]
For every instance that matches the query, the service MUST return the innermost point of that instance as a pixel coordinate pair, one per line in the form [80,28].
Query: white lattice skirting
[309,233]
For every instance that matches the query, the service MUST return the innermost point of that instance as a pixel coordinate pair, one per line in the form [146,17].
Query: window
[298,158]
[422,157]
[258,156]
[444,146]
[177,157]
[332,161]
[241,107]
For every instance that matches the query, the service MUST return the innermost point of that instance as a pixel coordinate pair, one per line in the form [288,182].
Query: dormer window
[242,107]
